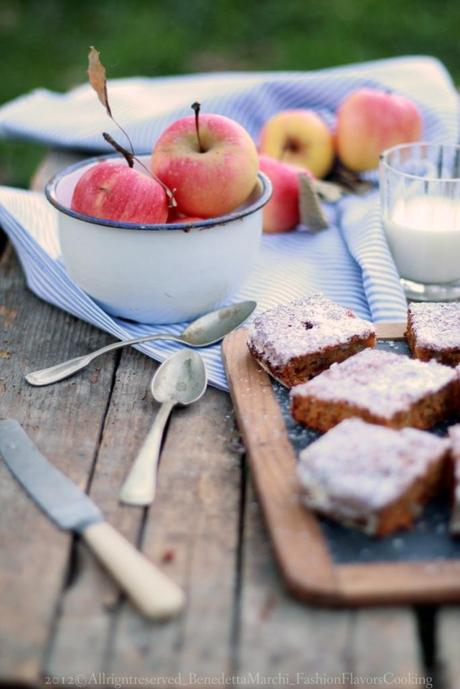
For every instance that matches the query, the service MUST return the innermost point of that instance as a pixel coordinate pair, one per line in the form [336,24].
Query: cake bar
[433,331]
[380,387]
[298,340]
[372,478]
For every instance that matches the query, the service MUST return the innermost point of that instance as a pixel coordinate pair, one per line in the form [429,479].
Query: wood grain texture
[65,422]
[194,526]
[276,634]
[88,609]
[191,532]
[384,642]
[447,644]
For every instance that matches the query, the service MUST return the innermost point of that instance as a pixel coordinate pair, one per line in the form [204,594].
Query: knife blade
[154,594]
[58,496]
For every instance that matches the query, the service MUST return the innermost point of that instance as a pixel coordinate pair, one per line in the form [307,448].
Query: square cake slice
[296,341]
[372,478]
[433,331]
[454,472]
[380,387]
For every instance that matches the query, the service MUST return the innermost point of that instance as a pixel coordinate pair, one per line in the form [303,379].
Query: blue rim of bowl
[50,193]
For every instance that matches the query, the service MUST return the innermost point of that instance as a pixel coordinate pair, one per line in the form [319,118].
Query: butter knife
[154,594]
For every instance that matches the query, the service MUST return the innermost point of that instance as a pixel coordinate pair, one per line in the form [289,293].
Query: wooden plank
[191,531]
[307,645]
[275,633]
[447,643]
[300,548]
[88,607]
[384,643]
[65,421]
[194,526]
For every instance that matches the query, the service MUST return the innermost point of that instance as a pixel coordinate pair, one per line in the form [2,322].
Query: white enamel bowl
[157,273]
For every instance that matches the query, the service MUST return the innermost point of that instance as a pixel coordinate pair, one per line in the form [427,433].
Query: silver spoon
[181,379]
[205,331]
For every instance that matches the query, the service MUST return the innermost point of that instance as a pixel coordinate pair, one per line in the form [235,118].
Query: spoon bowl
[181,379]
[214,326]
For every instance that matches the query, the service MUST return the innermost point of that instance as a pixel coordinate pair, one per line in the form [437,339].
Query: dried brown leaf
[97,78]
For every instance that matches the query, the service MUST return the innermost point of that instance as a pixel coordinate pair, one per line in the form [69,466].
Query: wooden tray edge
[294,531]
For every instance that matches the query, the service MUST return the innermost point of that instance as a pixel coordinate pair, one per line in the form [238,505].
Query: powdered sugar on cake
[357,469]
[381,382]
[436,326]
[304,326]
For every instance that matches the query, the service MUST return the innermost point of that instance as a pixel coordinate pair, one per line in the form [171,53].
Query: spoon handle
[140,484]
[53,374]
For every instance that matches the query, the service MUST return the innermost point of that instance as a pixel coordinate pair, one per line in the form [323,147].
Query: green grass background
[44,43]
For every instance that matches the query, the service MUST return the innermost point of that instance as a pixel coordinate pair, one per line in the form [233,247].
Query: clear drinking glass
[420,197]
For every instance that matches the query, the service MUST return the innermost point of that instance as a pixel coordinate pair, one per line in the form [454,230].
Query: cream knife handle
[153,593]
[140,485]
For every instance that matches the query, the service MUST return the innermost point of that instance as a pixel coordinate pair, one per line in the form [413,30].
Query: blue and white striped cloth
[349,262]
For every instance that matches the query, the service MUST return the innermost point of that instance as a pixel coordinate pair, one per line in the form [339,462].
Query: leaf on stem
[97,78]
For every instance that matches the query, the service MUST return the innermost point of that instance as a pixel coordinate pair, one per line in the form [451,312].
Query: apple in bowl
[208,161]
[118,192]
[156,272]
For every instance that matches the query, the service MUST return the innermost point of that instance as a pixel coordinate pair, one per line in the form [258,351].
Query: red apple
[211,166]
[299,137]
[282,211]
[114,191]
[369,121]
[178,217]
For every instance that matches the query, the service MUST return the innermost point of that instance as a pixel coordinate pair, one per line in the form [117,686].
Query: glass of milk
[420,199]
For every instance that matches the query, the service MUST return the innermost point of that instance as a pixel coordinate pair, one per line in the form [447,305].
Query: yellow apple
[299,137]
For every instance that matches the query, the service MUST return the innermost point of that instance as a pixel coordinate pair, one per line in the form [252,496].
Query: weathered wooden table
[62,622]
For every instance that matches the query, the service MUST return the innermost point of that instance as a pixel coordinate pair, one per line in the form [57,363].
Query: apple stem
[130,158]
[196,107]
